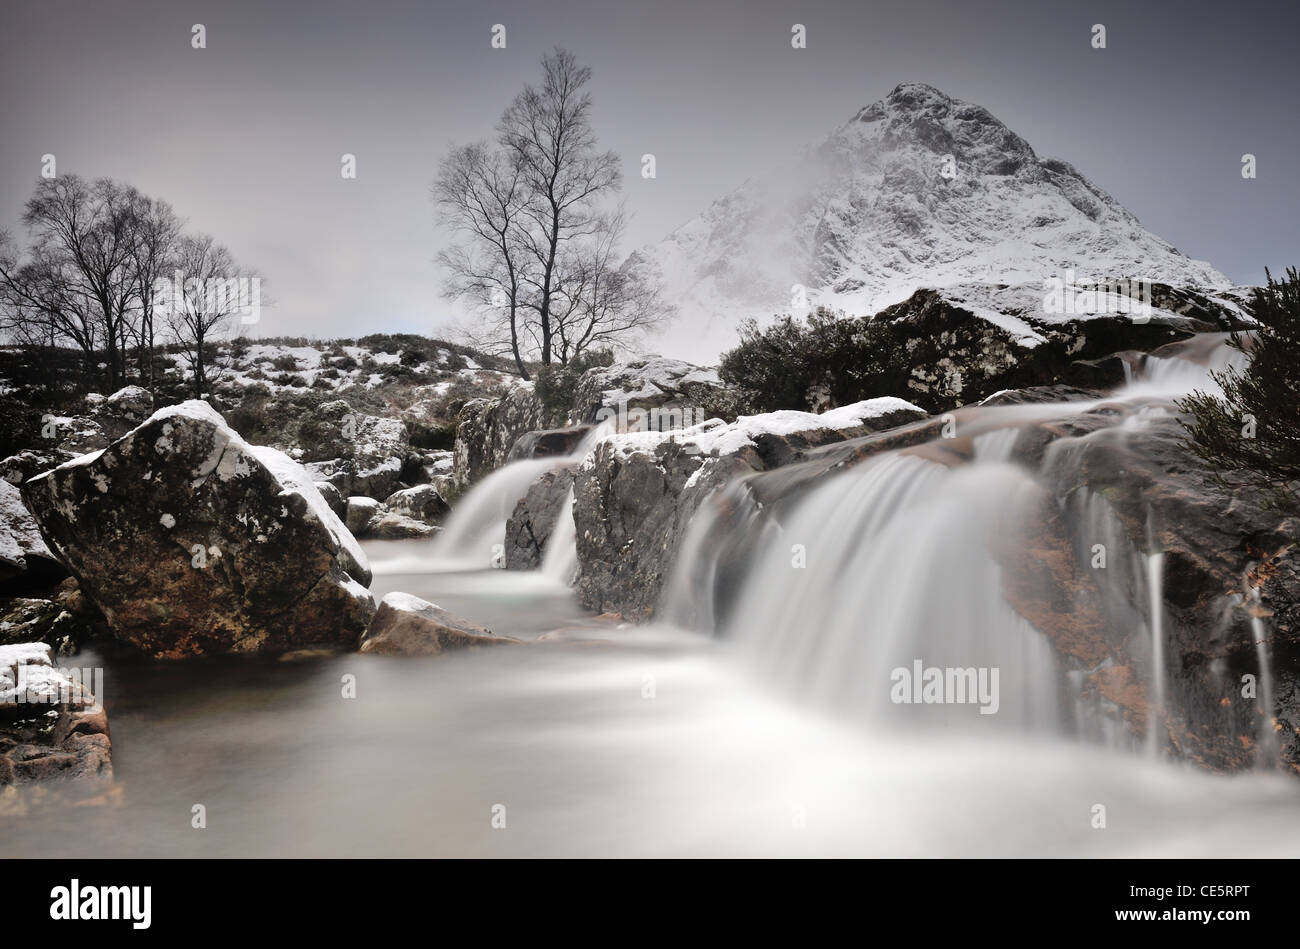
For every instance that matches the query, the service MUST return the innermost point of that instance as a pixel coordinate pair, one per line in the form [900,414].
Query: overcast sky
[244,137]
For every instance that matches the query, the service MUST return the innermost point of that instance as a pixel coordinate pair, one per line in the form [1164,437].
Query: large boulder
[192,542]
[627,390]
[967,342]
[52,725]
[23,553]
[488,429]
[406,625]
[636,493]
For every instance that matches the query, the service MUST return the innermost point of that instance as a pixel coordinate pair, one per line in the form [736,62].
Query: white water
[473,536]
[1155,621]
[1266,746]
[560,562]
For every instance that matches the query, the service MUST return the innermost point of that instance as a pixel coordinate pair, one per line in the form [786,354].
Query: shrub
[555,385]
[822,363]
[1253,429]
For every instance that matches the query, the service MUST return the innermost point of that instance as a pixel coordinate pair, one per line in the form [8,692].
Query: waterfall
[473,537]
[560,562]
[1155,589]
[888,570]
[1267,747]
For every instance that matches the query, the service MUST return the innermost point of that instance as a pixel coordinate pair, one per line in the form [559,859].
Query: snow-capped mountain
[916,190]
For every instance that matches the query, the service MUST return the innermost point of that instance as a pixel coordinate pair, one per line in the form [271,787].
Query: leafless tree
[156,232]
[79,281]
[538,240]
[480,194]
[201,307]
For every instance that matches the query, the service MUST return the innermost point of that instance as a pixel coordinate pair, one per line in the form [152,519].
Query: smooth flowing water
[772,728]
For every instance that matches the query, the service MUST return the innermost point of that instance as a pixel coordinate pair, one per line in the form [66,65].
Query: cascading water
[1155,561]
[1267,747]
[560,562]
[902,564]
[473,537]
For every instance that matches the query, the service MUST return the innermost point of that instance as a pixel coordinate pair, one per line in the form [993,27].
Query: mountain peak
[917,190]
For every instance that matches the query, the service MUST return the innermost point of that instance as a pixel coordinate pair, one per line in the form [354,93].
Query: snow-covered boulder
[52,724]
[651,382]
[406,625]
[192,542]
[635,493]
[967,342]
[421,503]
[22,550]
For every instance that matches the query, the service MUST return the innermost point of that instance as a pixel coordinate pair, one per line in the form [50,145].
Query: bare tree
[83,238]
[202,305]
[481,195]
[538,244]
[548,134]
[156,232]
[606,305]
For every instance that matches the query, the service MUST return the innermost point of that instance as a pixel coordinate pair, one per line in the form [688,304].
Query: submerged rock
[192,542]
[406,625]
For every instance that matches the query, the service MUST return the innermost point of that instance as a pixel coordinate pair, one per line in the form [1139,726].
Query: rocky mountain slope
[916,190]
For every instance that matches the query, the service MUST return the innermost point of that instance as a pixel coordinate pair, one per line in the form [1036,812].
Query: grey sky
[244,137]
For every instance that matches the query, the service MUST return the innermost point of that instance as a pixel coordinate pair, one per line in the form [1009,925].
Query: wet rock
[488,429]
[406,625]
[635,494]
[52,725]
[361,511]
[550,443]
[534,518]
[192,542]
[24,555]
[968,342]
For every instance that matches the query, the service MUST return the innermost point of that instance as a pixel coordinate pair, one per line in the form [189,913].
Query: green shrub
[555,385]
[1253,429]
[816,364]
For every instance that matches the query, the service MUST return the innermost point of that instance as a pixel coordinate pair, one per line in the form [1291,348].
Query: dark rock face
[960,357]
[52,726]
[487,430]
[1223,546]
[549,443]
[191,542]
[408,626]
[635,495]
[534,518]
